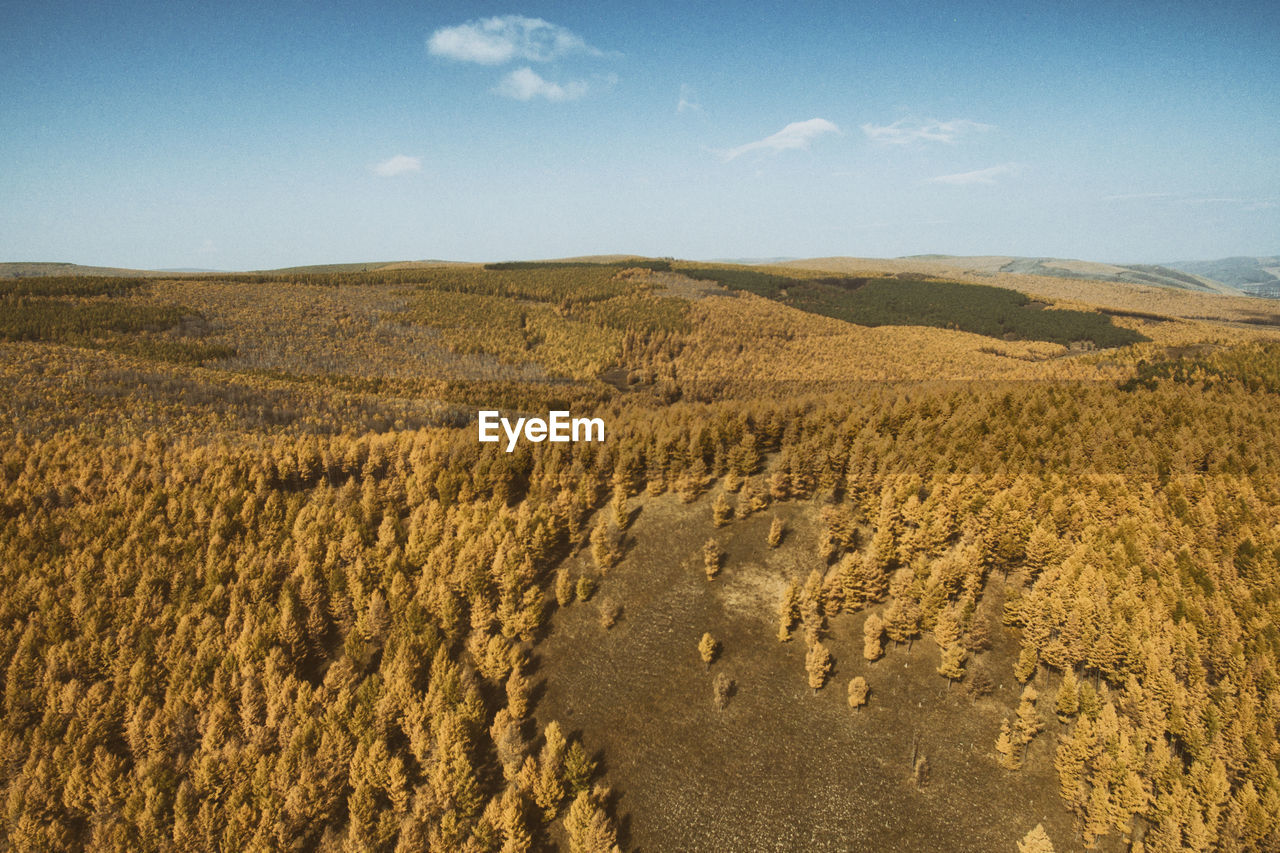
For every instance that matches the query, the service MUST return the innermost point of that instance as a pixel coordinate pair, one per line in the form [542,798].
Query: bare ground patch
[781,767]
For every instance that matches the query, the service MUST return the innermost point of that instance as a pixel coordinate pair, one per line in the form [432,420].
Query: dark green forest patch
[154,331]
[913,301]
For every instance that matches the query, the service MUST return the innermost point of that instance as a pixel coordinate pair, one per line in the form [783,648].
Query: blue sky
[240,135]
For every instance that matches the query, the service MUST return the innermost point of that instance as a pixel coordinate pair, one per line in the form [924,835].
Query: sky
[252,135]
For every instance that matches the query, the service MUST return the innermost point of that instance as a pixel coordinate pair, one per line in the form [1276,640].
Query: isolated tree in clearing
[708,649]
[817,662]
[721,689]
[1036,841]
[776,531]
[712,558]
[610,610]
[858,691]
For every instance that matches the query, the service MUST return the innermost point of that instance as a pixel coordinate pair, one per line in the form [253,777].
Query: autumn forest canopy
[869,559]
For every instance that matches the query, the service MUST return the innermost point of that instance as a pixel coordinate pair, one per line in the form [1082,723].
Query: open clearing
[781,768]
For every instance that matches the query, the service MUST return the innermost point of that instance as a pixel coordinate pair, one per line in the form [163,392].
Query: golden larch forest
[873,556]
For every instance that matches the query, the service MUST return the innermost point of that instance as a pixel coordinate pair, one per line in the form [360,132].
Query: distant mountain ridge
[1257,276]
[1157,275]
[36,269]
[1248,276]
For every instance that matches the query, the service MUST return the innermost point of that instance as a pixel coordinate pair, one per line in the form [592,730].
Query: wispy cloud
[988,175]
[401,164]
[505,38]
[1244,203]
[1136,196]
[905,131]
[1247,204]
[796,135]
[687,102]
[525,84]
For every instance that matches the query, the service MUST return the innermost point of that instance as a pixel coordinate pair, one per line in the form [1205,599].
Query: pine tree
[708,649]
[788,612]
[858,692]
[564,588]
[516,837]
[712,557]
[1028,662]
[579,767]
[1036,841]
[721,510]
[548,787]
[1028,723]
[621,510]
[951,665]
[588,826]
[1010,755]
[722,687]
[605,550]
[817,662]
[872,637]
[1068,700]
[776,531]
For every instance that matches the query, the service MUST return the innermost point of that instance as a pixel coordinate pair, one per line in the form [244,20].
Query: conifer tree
[548,787]
[1036,841]
[817,663]
[605,550]
[776,531]
[1068,699]
[872,637]
[722,687]
[579,767]
[1028,723]
[708,649]
[621,509]
[858,691]
[788,611]
[588,826]
[712,557]
[1008,752]
[721,510]
[565,591]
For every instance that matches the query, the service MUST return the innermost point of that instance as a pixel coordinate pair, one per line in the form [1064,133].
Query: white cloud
[905,131]
[497,40]
[980,176]
[525,84]
[687,102]
[795,135]
[401,164]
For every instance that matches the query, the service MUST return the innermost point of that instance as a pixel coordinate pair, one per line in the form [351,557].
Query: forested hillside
[264,589]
